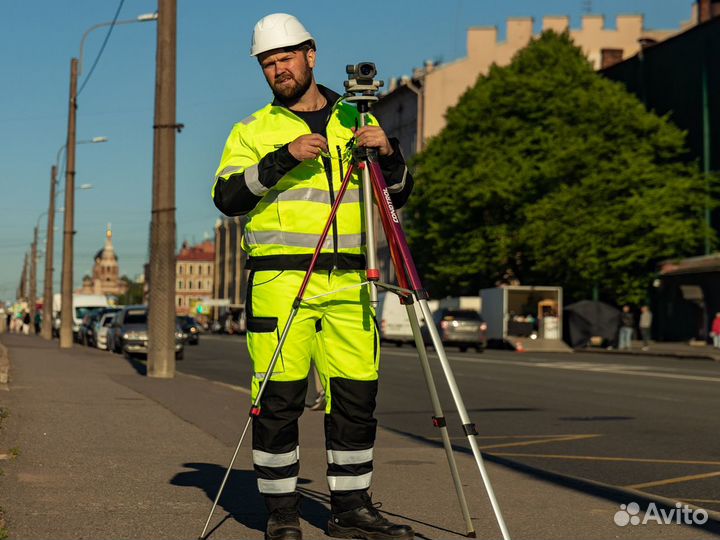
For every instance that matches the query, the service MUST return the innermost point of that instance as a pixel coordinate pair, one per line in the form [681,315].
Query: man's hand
[308,146]
[373,137]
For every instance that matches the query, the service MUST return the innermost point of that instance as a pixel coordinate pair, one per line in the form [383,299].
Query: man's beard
[289,95]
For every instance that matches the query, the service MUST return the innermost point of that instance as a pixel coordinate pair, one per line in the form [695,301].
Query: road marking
[610,458]
[676,480]
[613,369]
[235,387]
[541,441]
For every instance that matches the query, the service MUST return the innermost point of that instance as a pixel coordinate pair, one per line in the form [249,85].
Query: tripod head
[361,87]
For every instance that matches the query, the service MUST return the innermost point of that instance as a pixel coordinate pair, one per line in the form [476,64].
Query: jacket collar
[329,95]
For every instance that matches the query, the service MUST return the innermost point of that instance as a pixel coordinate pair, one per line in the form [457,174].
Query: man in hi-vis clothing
[282,167]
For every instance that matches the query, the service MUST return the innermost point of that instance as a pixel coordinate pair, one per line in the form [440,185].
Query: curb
[682,356]
[4,365]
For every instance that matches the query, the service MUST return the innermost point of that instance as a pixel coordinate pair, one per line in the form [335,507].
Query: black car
[189,327]
[85,333]
[463,328]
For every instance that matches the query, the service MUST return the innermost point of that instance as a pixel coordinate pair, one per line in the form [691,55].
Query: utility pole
[706,153]
[33,276]
[66,309]
[23,292]
[49,247]
[161,327]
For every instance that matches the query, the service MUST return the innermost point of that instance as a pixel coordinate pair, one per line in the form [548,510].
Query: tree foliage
[548,173]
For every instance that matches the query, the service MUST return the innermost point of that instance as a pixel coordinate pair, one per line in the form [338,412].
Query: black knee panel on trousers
[275,430]
[350,425]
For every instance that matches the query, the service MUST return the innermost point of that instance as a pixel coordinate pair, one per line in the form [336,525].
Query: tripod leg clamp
[255,411]
[439,421]
[469,429]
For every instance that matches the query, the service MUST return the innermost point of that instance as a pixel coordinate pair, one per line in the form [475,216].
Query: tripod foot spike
[470,534]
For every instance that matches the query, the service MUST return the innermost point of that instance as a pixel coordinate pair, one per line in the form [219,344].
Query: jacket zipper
[327,165]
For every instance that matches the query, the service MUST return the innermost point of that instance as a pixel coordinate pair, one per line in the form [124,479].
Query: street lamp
[66,314]
[50,239]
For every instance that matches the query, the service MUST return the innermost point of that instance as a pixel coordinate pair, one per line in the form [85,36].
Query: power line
[102,48]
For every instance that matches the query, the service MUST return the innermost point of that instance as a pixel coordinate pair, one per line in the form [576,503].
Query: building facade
[195,277]
[230,265]
[417,104]
[105,278]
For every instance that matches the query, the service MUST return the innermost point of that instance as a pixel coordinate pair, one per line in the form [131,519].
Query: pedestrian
[38,321]
[26,323]
[715,331]
[627,328]
[646,317]
[281,167]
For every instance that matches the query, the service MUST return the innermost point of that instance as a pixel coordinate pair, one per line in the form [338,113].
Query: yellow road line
[532,436]
[240,389]
[676,480]
[540,441]
[606,458]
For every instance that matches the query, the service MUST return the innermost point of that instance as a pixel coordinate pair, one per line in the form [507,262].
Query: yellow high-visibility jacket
[288,202]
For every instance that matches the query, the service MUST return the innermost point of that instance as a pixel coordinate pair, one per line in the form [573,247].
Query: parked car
[128,333]
[463,328]
[85,333]
[191,327]
[103,321]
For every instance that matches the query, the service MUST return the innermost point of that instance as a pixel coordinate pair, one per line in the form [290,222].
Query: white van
[393,319]
[82,304]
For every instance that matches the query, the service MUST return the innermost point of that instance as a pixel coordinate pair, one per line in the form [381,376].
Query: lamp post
[66,315]
[50,241]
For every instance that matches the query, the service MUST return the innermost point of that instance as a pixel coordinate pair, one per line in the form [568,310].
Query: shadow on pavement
[138,365]
[241,500]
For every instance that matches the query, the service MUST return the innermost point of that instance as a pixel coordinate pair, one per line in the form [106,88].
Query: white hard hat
[276,31]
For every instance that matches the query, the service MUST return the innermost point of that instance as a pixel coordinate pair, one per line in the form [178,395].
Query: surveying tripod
[361,89]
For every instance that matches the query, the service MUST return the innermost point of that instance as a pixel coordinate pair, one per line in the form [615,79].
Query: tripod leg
[254,409]
[371,256]
[224,481]
[439,419]
[468,426]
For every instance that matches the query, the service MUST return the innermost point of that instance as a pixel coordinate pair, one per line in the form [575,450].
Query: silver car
[128,333]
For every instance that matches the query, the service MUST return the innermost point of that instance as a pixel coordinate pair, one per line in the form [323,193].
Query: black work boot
[283,524]
[366,522]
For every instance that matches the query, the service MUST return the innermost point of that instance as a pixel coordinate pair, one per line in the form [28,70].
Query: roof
[691,265]
[204,251]
[98,255]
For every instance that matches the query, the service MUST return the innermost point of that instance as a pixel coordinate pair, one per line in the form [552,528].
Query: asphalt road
[646,423]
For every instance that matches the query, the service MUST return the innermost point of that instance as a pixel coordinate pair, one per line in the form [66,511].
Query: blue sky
[218,84]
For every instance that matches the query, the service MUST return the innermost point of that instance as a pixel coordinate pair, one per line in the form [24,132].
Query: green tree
[550,173]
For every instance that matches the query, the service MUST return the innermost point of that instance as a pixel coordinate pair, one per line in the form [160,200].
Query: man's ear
[311,56]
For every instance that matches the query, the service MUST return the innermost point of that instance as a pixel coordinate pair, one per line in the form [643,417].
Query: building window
[180,301]
[199,284]
[180,284]
[190,269]
[199,269]
[180,269]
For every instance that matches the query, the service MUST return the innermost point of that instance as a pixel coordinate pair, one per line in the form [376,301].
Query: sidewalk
[105,452]
[670,349]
